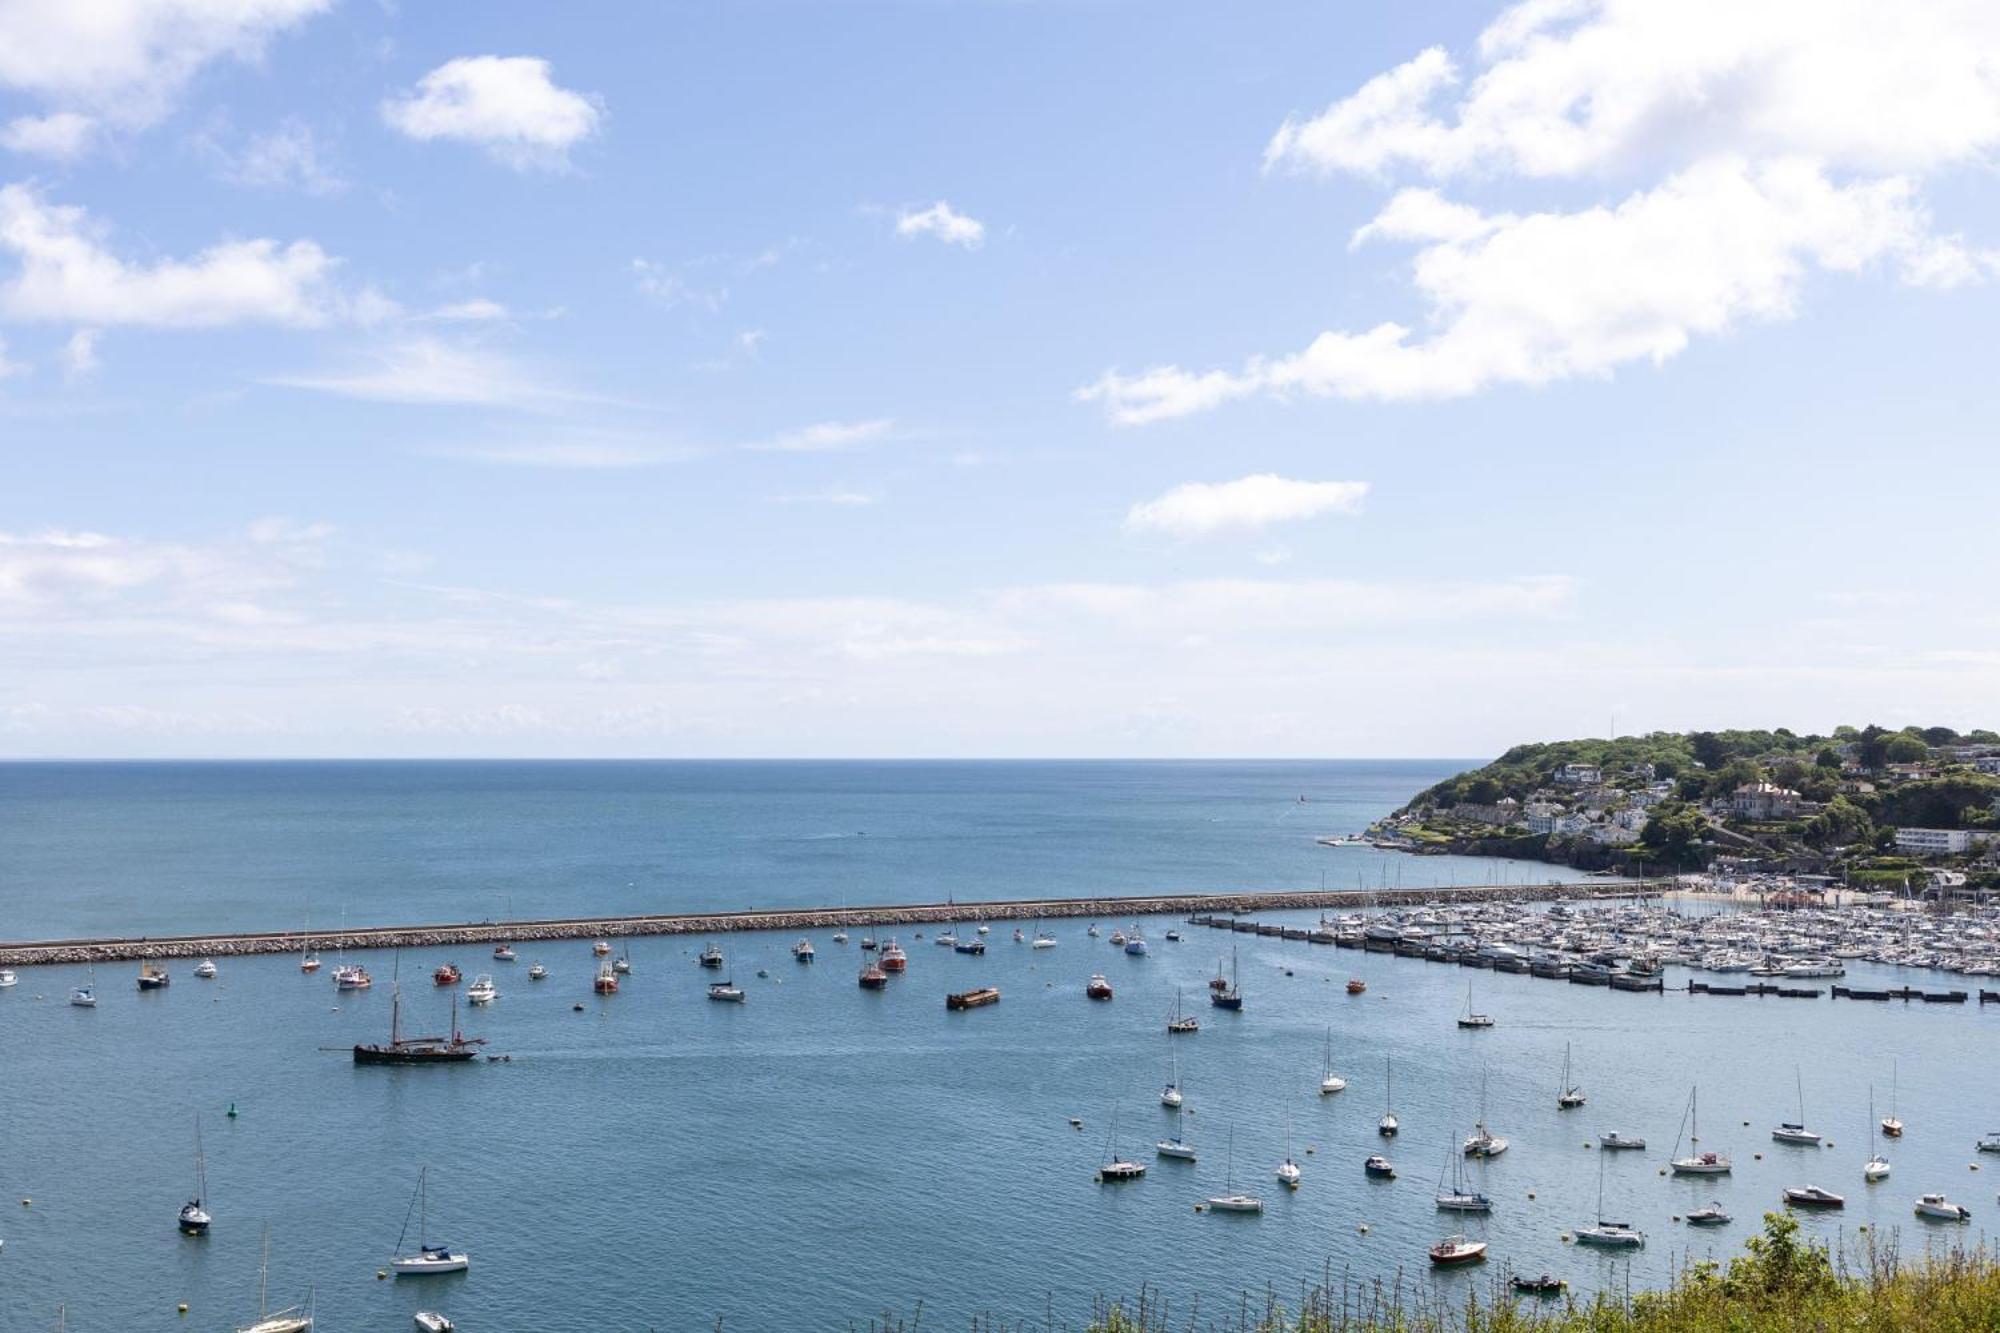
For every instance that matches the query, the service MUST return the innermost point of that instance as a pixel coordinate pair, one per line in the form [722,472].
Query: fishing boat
[1568,1094]
[1226,996]
[1605,1234]
[1097,988]
[482,991]
[1181,1023]
[194,1219]
[1877,1166]
[1613,1141]
[504,953]
[1457,1250]
[430,1321]
[1170,1096]
[1812,1196]
[1380,1167]
[1229,1201]
[711,956]
[429,1259]
[1891,1126]
[973,999]
[1795,1131]
[205,969]
[446,974]
[1288,1170]
[1355,986]
[1116,1168]
[153,978]
[296,1319]
[872,976]
[537,972]
[455,1049]
[352,976]
[1388,1125]
[1458,1196]
[606,981]
[1714,1215]
[802,952]
[1468,1018]
[1937,1208]
[893,957]
[1329,1082]
[1697,1162]
[1545,1285]
[728,992]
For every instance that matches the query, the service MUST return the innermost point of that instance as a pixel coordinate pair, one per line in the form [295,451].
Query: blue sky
[989,377]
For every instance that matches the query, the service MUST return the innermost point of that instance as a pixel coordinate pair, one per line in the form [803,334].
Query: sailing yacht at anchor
[1697,1162]
[429,1258]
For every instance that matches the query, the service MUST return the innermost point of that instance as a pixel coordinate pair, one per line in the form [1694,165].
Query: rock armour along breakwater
[226,944]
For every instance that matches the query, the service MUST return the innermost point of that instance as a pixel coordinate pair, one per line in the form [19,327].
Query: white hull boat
[1937,1208]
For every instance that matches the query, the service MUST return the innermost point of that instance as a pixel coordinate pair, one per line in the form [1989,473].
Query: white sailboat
[194,1219]
[1388,1126]
[1697,1162]
[296,1319]
[429,1258]
[1459,1196]
[1877,1166]
[85,996]
[1288,1170]
[1117,1168]
[1170,1096]
[1484,1142]
[1330,1082]
[1795,1131]
[1891,1126]
[1229,1201]
[1609,1235]
[1568,1094]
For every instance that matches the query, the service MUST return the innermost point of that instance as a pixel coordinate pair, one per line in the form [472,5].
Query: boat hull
[389,1055]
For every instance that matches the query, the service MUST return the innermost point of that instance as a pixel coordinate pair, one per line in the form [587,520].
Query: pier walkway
[236,943]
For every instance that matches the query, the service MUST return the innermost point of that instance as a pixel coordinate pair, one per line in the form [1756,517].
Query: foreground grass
[1782,1284]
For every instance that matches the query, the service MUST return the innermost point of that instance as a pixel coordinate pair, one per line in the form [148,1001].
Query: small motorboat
[7,978]
[873,977]
[1453,1250]
[537,972]
[1989,1141]
[1616,1142]
[1937,1208]
[504,953]
[1812,1196]
[1173,937]
[1118,937]
[153,978]
[352,977]
[482,991]
[1611,1235]
[447,974]
[1546,1285]
[893,958]
[1098,988]
[1176,1149]
[1380,1167]
[727,992]
[430,1321]
[711,956]
[601,948]
[1356,986]
[1712,1216]
[205,969]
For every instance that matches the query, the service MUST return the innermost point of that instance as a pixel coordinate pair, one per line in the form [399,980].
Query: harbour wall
[227,944]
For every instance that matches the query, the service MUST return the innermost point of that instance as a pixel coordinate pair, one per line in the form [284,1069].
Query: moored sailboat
[194,1218]
[429,1259]
[1330,1082]
[1697,1162]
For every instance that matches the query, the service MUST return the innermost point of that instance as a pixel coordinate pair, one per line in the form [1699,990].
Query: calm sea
[822,1156]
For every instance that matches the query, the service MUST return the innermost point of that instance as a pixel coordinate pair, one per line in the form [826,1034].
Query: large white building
[1940,841]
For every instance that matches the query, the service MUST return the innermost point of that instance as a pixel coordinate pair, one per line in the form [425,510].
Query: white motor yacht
[482,990]
[1940,1209]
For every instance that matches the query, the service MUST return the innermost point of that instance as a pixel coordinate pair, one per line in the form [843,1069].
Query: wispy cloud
[1247,505]
[944,223]
[425,370]
[826,436]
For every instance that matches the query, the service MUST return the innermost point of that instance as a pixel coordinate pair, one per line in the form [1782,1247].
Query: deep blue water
[821,1155]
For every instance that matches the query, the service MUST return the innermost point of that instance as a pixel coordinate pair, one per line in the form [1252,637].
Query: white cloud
[79,354]
[838,497]
[62,135]
[826,436]
[431,371]
[507,105]
[478,310]
[67,574]
[1779,143]
[659,283]
[1248,504]
[67,274]
[129,59]
[289,157]
[944,222]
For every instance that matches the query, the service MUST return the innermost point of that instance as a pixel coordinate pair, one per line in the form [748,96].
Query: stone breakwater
[236,944]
